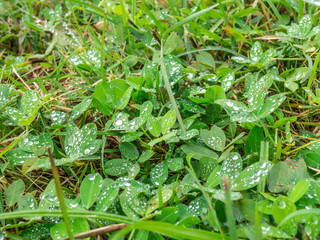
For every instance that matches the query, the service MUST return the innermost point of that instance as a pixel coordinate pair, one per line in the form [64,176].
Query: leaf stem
[60,195]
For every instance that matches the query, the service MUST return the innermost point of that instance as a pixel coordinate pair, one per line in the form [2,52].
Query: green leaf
[198,152]
[177,232]
[231,167]
[251,176]
[37,231]
[90,188]
[14,114]
[159,172]
[227,81]
[82,142]
[167,121]
[206,58]
[57,117]
[146,155]
[128,150]
[278,178]
[214,92]
[175,164]
[78,225]
[206,166]
[168,214]
[172,43]
[30,102]
[237,111]
[312,226]
[299,190]
[270,105]
[256,52]
[267,56]
[146,110]
[4,94]
[154,126]
[258,91]
[27,202]
[107,197]
[13,193]
[282,207]
[117,167]
[215,138]
[80,108]
[153,203]
[254,139]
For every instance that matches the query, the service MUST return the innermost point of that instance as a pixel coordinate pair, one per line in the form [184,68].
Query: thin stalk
[170,93]
[302,147]
[263,158]
[60,195]
[229,210]
[102,45]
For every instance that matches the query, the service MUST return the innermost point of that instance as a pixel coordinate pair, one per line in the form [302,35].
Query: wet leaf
[282,207]
[299,190]
[154,126]
[13,193]
[27,202]
[107,197]
[58,117]
[175,164]
[312,226]
[153,203]
[37,231]
[146,110]
[78,225]
[128,151]
[30,102]
[90,188]
[167,121]
[215,138]
[4,94]
[270,105]
[256,52]
[80,108]
[159,173]
[198,151]
[214,92]
[231,167]
[146,155]
[117,167]
[82,142]
[251,176]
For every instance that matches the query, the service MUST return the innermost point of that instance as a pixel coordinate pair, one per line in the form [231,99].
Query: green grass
[175,119]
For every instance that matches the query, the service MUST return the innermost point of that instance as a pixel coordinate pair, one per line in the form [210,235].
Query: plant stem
[60,195]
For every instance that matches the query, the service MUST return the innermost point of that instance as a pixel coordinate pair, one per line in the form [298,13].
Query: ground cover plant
[159,119]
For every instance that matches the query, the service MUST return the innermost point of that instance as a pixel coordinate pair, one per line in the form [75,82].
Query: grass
[169,119]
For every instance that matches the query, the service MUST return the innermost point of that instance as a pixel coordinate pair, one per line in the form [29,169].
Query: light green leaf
[159,173]
[282,207]
[154,126]
[13,193]
[153,203]
[215,138]
[198,152]
[58,117]
[167,121]
[146,155]
[80,108]
[251,176]
[78,225]
[117,167]
[270,105]
[256,52]
[231,167]
[146,110]
[82,142]
[90,188]
[107,197]
[27,202]
[299,190]
[30,102]
[128,150]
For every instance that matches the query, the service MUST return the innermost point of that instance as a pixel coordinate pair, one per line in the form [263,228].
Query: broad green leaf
[237,111]
[90,188]
[206,58]
[159,173]
[107,197]
[278,178]
[214,92]
[254,139]
[258,91]
[14,114]
[154,126]
[4,94]
[58,117]
[172,43]
[82,142]
[123,102]
[198,151]
[297,74]
[146,155]
[312,226]
[175,164]
[206,166]
[231,167]
[27,202]
[299,190]
[37,231]
[256,52]
[291,85]
[128,150]
[153,203]
[227,81]
[80,108]
[78,225]
[215,138]
[165,137]
[251,176]
[267,56]
[30,102]
[167,121]
[126,197]
[282,207]
[168,214]
[117,167]
[13,193]
[146,110]
[220,195]
[270,105]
